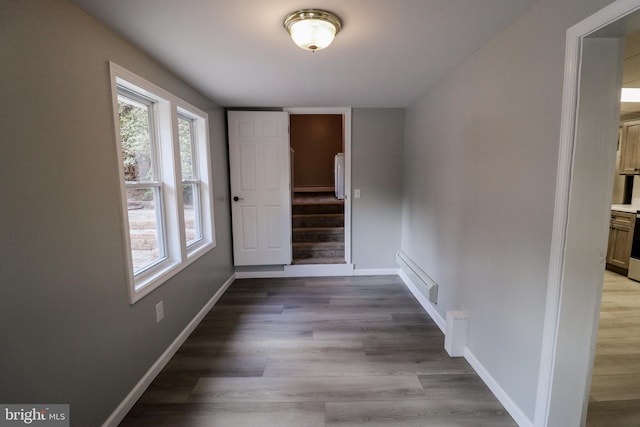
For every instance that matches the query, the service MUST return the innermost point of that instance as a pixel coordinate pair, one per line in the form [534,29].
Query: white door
[260,187]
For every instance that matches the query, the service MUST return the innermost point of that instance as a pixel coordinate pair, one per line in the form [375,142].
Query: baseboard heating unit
[418,276]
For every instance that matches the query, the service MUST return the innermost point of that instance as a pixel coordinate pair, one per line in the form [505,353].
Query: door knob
[236,198]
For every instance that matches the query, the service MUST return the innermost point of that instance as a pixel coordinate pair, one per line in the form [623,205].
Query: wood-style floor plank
[417,413]
[461,387]
[615,387]
[364,366]
[356,351]
[307,389]
[614,398]
[613,413]
[252,414]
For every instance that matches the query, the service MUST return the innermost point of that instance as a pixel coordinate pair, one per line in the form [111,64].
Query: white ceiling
[238,53]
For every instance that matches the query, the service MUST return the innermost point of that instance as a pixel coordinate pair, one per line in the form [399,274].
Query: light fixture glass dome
[312,29]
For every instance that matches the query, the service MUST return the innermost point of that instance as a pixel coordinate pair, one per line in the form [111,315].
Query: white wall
[480,160]
[67,331]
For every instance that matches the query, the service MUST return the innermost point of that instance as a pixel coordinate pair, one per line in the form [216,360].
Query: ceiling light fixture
[630,95]
[312,29]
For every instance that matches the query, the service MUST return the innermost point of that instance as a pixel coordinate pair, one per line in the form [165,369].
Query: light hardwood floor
[615,387]
[317,352]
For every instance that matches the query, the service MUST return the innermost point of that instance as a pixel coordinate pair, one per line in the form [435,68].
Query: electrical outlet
[356,193]
[159,312]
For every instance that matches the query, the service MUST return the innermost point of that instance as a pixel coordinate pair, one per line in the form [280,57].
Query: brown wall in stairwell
[316,139]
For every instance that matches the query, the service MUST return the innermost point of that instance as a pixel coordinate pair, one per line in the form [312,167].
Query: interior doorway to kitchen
[614,394]
[590,117]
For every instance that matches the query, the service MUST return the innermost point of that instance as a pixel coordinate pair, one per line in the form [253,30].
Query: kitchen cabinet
[620,240]
[630,148]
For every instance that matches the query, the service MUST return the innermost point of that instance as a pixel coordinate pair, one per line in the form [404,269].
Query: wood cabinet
[620,240]
[630,148]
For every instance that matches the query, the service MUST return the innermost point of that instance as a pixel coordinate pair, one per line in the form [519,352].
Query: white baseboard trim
[520,418]
[376,271]
[125,406]
[424,302]
[514,410]
[318,270]
[259,274]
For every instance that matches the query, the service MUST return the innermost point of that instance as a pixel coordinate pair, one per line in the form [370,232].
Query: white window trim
[203,165]
[178,256]
[195,174]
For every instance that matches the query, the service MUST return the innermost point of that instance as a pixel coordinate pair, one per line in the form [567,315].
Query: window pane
[192,221]
[135,135]
[145,229]
[185,132]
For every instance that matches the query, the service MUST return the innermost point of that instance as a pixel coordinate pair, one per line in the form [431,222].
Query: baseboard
[125,406]
[318,270]
[376,271]
[424,302]
[514,410]
[270,274]
[516,413]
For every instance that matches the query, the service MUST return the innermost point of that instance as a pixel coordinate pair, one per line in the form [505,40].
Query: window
[190,182]
[165,171]
[142,181]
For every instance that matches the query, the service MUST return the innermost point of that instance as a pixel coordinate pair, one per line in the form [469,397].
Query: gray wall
[480,160]
[67,331]
[376,146]
[376,169]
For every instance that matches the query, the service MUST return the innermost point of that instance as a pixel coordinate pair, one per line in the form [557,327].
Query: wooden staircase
[318,229]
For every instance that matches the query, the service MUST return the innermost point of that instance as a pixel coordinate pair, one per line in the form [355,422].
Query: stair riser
[318,253]
[317,209]
[316,261]
[330,221]
[318,236]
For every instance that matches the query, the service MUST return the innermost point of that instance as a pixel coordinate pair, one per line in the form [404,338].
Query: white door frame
[346,112]
[554,362]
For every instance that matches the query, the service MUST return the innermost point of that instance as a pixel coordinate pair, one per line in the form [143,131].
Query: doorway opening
[590,118]
[320,140]
[614,394]
[317,202]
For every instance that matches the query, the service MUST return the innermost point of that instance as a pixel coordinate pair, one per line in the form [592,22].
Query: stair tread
[318,229]
[319,261]
[324,215]
[304,203]
[323,245]
[316,198]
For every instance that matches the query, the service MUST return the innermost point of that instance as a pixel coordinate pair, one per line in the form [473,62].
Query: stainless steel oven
[634,261]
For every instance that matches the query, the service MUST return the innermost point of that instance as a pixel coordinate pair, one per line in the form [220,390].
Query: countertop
[626,208]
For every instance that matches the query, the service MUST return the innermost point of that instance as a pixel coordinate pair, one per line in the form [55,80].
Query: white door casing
[583,195]
[260,187]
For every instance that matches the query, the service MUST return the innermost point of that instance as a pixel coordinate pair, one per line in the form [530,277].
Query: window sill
[164,272]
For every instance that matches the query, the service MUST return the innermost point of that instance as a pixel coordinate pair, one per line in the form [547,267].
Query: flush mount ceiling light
[312,29]
[630,95]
